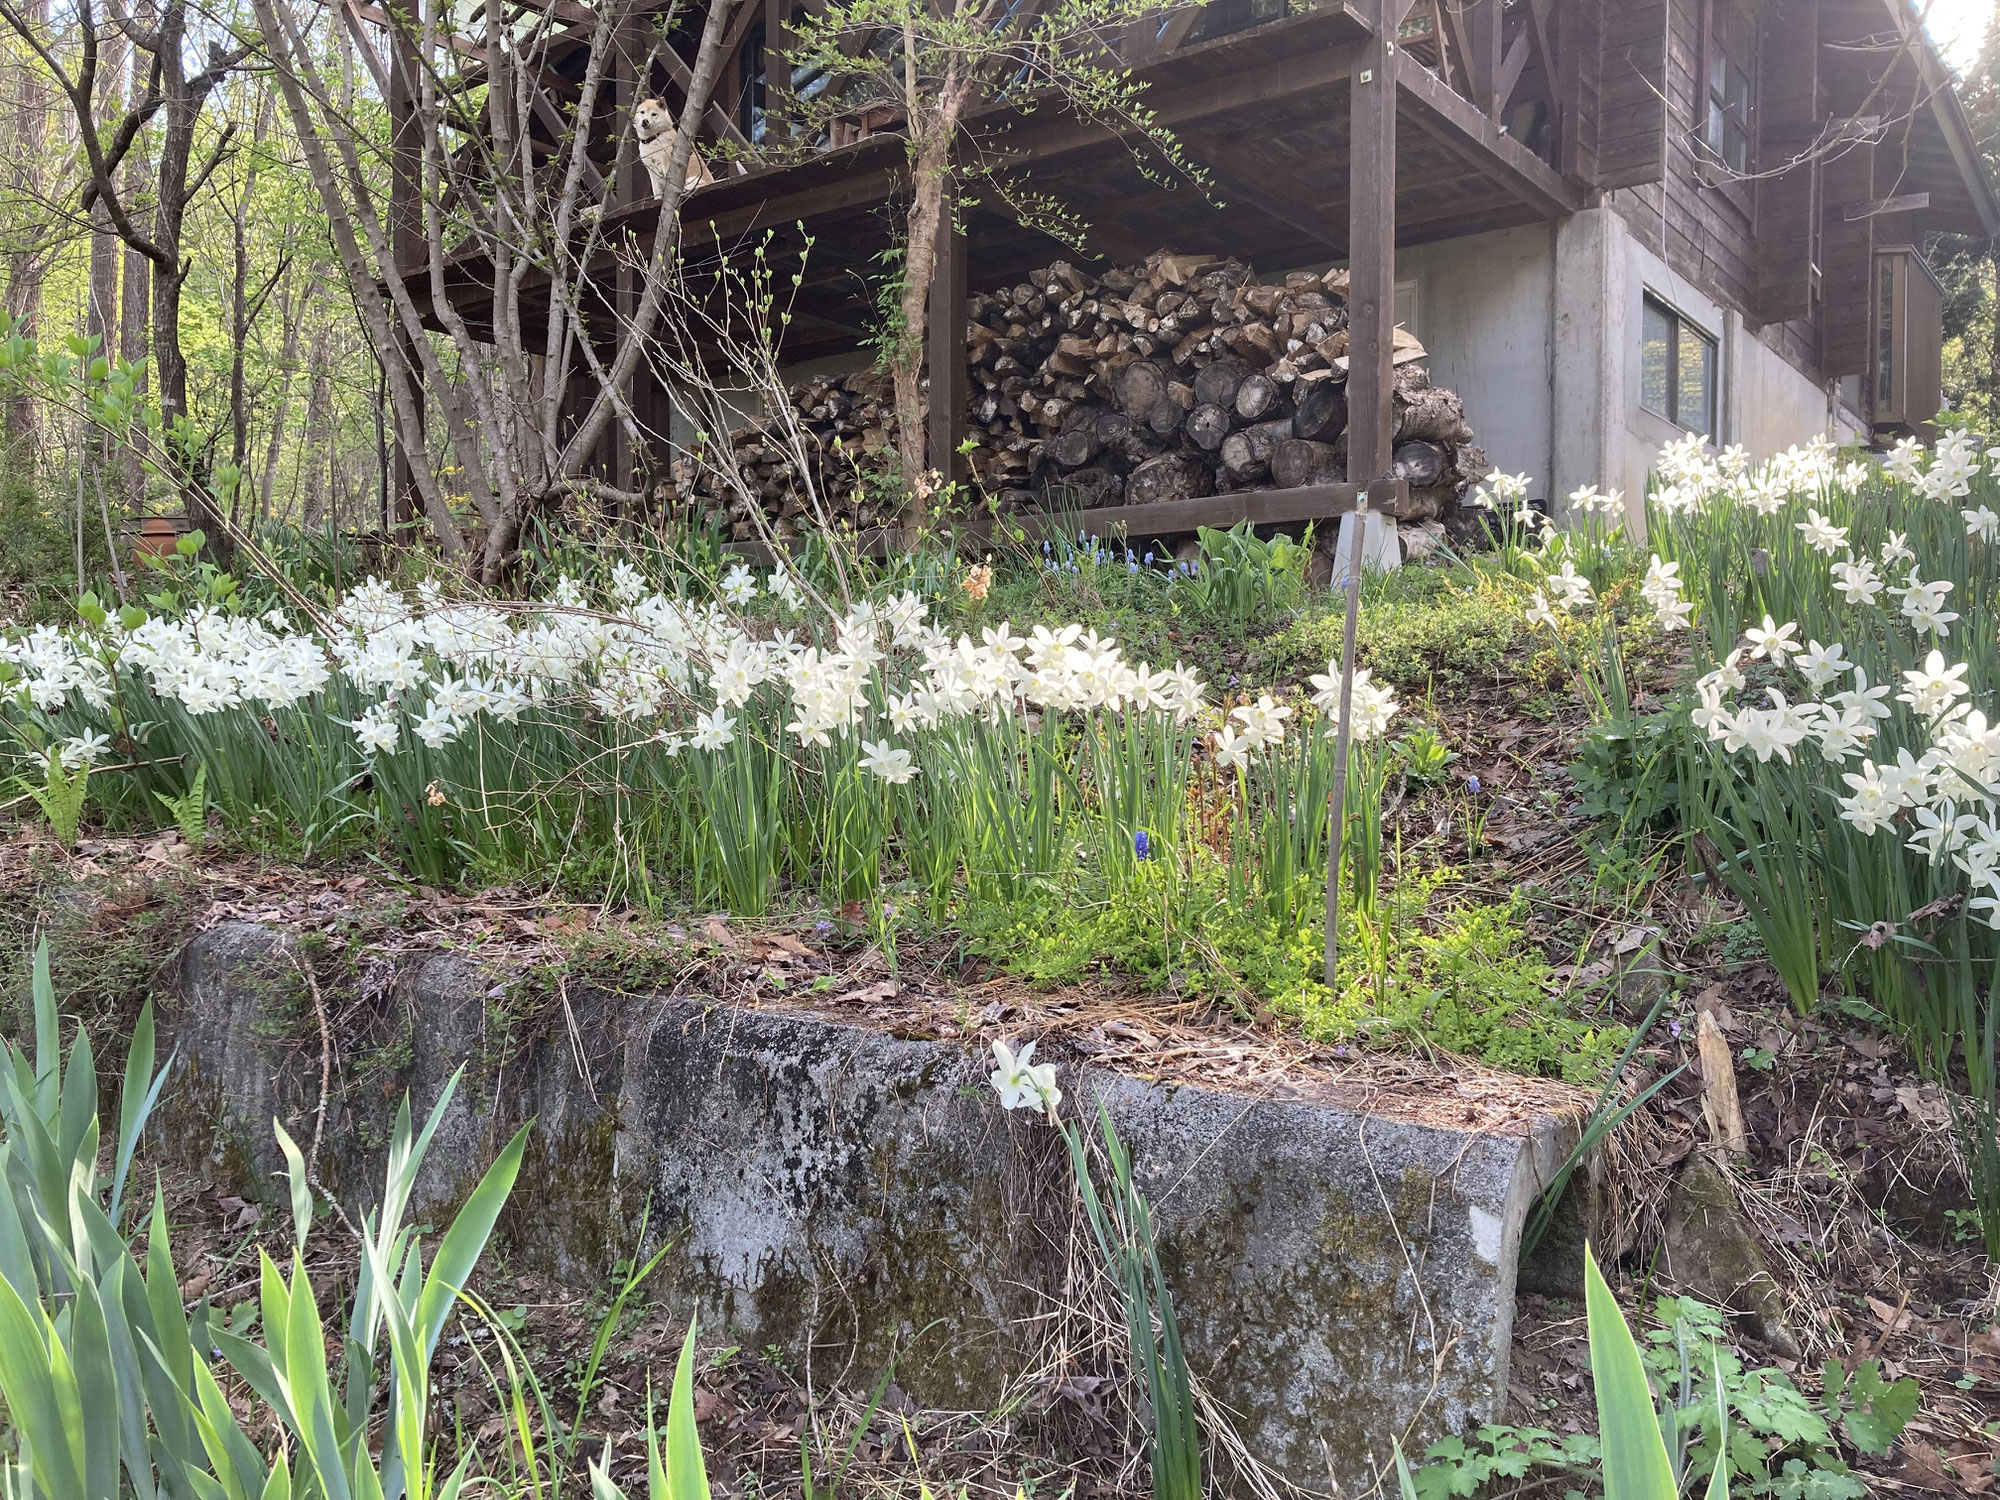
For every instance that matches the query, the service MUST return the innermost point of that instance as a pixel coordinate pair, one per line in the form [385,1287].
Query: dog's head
[652,119]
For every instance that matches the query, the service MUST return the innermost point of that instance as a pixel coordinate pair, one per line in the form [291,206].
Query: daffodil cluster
[1688,476]
[677,672]
[1907,756]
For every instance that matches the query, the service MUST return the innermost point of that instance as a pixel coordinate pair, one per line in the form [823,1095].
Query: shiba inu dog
[654,124]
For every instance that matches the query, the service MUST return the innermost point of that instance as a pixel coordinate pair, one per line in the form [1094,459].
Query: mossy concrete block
[855,1197]
[1710,1251]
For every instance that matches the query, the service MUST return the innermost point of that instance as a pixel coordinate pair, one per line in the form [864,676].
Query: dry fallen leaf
[1892,1319]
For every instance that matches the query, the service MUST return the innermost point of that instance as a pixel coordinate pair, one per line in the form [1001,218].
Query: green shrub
[1172,932]
[1781,1441]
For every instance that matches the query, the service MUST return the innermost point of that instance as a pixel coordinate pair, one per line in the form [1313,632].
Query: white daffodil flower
[1773,640]
[882,759]
[1021,1082]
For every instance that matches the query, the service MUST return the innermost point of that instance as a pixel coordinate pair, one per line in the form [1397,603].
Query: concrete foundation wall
[855,1197]
[1603,436]
[1482,309]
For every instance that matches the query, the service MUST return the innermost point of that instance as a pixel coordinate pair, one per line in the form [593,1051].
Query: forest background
[283,385]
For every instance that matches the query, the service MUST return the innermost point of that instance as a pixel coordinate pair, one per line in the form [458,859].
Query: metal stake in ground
[1343,735]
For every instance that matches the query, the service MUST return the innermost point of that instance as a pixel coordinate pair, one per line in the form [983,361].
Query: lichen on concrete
[857,1198]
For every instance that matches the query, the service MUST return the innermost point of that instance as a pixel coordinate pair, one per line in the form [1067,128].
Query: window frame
[1718,18]
[1679,325]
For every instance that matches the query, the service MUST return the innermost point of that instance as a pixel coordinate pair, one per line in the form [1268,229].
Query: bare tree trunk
[136,311]
[513,440]
[318,434]
[930,169]
[288,361]
[26,264]
[243,307]
[176,99]
[105,248]
[930,177]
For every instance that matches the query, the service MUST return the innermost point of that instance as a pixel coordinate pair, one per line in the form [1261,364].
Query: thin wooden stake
[1371,299]
[1344,734]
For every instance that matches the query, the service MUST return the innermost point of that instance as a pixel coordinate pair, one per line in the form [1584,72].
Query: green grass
[1467,980]
[1420,628]
[1171,933]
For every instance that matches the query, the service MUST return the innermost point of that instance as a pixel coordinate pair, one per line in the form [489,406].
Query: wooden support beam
[406,151]
[715,117]
[1039,137]
[1511,68]
[1539,15]
[944,347]
[351,15]
[1316,502]
[806,203]
[1236,180]
[1875,207]
[868,170]
[463,46]
[1484,146]
[1158,32]
[1371,256]
[1484,21]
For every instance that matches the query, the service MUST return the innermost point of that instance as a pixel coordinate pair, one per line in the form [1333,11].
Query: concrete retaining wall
[853,1197]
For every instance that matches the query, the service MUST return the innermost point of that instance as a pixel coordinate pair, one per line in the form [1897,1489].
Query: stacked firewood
[841,423]
[1180,378]
[1186,377]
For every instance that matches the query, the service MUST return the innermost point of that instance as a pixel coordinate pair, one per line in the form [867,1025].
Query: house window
[1676,369]
[1725,128]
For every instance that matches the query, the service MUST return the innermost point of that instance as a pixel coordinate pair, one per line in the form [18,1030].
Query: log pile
[1181,377]
[1184,377]
[843,422]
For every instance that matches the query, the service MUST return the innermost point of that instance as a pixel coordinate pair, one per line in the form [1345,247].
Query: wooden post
[944,347]
[406,141]
[1371,319]
[1371,260]
[1485,22]
[622,458]
[408,247]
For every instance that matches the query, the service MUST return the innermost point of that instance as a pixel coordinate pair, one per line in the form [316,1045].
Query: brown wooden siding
[1788,110]
[1846,259]
[1632,125]
[1705,226]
